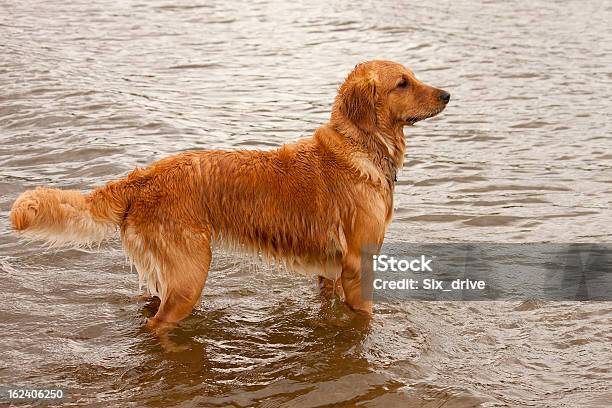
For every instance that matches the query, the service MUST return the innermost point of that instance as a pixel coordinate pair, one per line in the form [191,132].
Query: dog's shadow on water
[242,344]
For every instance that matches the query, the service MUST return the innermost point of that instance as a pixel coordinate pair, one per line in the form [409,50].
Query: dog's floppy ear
[357,101]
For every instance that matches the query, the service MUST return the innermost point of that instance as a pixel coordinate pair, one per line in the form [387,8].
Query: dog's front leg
[329,288]
[358,298]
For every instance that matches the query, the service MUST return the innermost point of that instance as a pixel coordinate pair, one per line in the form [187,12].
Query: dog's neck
[384,145]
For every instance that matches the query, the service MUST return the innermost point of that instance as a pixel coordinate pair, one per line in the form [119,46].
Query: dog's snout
[444,96]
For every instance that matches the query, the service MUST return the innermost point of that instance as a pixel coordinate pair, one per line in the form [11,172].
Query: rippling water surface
[91,89]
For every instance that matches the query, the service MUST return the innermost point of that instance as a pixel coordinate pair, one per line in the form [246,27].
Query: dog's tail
[66,217]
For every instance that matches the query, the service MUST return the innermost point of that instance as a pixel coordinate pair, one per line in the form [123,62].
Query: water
[91,89]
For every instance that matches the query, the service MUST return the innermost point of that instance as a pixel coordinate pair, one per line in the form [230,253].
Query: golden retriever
[314,203]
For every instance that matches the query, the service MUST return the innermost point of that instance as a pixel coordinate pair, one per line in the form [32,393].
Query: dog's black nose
[444,96]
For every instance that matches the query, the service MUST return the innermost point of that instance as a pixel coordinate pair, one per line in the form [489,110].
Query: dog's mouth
[411,120]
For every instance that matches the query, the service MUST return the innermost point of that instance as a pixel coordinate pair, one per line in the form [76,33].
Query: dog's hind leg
[182,271]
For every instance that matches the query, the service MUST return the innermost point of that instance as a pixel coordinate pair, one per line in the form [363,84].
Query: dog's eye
[403,84]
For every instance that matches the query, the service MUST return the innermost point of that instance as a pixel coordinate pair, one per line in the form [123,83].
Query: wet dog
[313,204]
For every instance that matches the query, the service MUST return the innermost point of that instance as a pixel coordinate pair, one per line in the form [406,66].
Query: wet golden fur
[314,203]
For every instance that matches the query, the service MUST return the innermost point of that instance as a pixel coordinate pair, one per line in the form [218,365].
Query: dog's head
[385,94]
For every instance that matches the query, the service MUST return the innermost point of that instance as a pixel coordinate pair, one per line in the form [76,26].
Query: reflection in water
[89,90]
